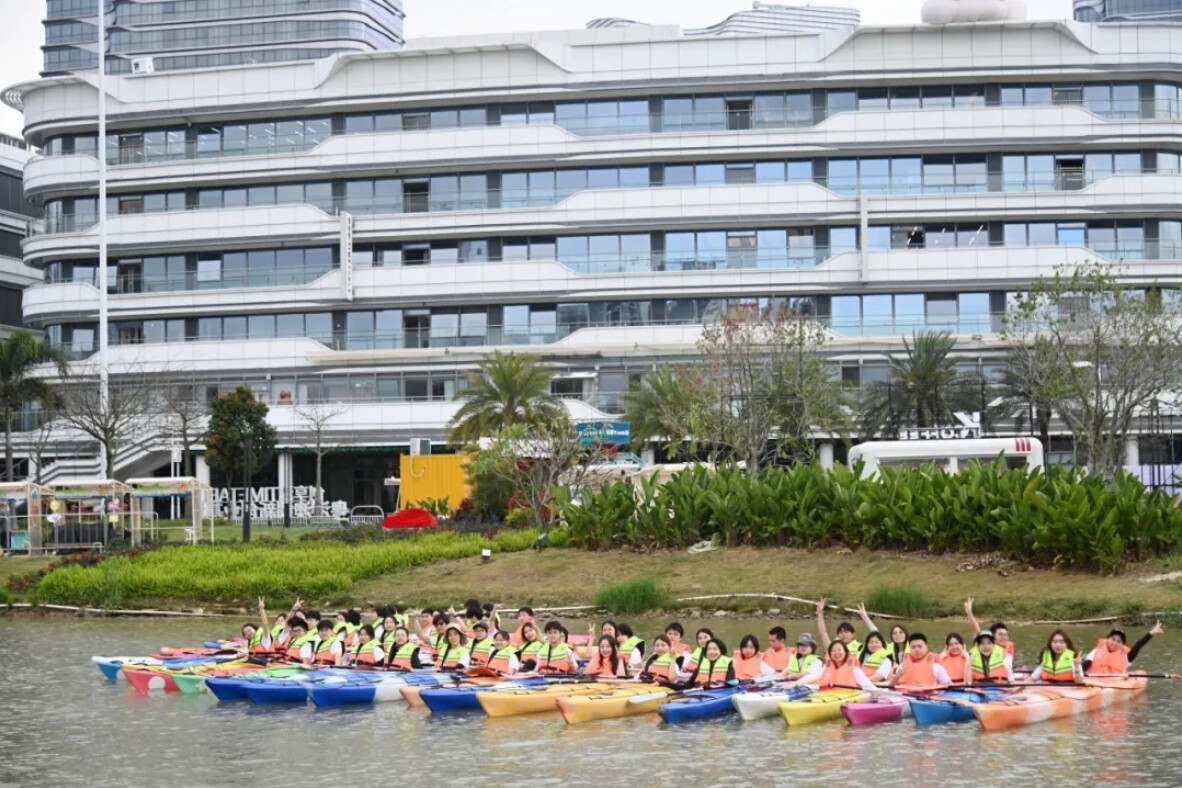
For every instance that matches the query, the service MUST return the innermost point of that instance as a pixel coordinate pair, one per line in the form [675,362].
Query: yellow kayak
[511,702]
[819,707]
[612,703]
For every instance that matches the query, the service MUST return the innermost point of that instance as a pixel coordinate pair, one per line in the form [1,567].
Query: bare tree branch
[317,417]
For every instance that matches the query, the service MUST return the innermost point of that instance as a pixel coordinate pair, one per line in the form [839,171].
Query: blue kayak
[112,666]
[699,705]
[952,705]
[442,699]
[380,688]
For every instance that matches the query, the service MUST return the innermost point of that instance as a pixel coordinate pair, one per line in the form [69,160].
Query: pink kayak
[883,707]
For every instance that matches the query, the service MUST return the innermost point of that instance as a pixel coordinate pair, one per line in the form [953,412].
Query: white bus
[947,454]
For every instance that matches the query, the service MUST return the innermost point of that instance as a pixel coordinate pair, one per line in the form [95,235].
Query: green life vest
[364,648]
[406,652]
[548,655]
[300,642]
[485,646]
[276,631]
[798,665]
[451,656]
[339,626]
[530,650]
[1062,669]
[631,644]
[997,663]
[715,671]
[853,648]
[664,663]
[256,639]
[695,657]
[892,651]
[874,661]
[325,644]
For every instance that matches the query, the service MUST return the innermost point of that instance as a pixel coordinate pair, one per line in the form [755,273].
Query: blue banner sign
[608,433]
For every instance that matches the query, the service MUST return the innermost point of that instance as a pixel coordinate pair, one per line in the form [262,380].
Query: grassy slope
[571,577]
[11,566]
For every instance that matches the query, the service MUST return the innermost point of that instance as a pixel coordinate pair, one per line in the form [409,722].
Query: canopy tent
[81,528]
[22,531]
[145,491]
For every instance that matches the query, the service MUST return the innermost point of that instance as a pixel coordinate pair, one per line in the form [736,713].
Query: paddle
[745,683]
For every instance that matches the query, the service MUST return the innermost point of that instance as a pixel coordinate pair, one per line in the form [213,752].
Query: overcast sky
[20,52]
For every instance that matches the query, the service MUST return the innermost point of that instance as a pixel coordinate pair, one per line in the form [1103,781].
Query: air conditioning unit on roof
[143,65]
[420,446]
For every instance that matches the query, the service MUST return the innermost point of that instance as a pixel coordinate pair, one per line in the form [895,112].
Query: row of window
[209,10]
[525,324]
[898,175]
[245,34]
[629,116]
[70,33]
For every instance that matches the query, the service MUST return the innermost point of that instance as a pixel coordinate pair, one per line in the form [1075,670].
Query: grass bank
[573,577]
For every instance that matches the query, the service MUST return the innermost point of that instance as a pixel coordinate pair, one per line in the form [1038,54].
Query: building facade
[15,213]
[1128,10]
[191,34]
[763,19]
[361,231]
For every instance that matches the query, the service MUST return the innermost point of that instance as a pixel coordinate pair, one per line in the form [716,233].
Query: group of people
[475,638]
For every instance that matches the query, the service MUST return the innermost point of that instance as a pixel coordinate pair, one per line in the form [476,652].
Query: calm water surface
[62,724]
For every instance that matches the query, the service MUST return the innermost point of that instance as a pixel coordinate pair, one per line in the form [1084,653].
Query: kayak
[819,706]
[334,691]
[112,667]
[463,696]
[509,703]
[613,702]
[954,705]
[884,707]
[412,693]
[1039,704]
[157,677]
[699,705]
[766,703]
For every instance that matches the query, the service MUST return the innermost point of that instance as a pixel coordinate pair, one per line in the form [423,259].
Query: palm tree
[20,355]
[660,404]
[1021,395]
[509,389]
[924,389]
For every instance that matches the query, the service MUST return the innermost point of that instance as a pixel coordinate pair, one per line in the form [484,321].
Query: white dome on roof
[943,12]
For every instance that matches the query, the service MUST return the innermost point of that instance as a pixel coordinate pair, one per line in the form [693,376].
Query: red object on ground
[410,518]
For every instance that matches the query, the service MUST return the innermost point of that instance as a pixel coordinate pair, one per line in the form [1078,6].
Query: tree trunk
[246,472]
[319,485]
[9,464]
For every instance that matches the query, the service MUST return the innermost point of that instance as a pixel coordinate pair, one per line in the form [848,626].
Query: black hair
[663,639]
[874,633]
[615,657]
[997,626]
[624,629]
[917,637]
[401,628]
[249,624]
[953,636]
[313,614]
[501,633]
[675,627]
[471,603]
[529,611]
[480,625]
[487,607]
[324,626]
[707,631]
[297,621]
[552,626]
[717,642]
[845,626]
[903,629]
[473,612]
[367,629]
[354,617]
[393,610]
[440,620]
[382,611]
[779,632]
[832,643]
[1066,639]
[343,614]
[749,640]
[609,623]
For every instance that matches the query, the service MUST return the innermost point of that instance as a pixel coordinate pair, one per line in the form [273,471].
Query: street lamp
[106,464]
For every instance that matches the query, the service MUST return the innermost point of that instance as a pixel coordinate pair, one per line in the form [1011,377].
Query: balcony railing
[128,283]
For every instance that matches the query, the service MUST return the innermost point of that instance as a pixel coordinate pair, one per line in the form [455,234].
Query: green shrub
[1062,517]
[902,601]
[638,595]
[6,598]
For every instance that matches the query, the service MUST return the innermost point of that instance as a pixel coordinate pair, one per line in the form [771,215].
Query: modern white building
[15,213]
[363,229]
[763,19]
[1128,10]
[174,35]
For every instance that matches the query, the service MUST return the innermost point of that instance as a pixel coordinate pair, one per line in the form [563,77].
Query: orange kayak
[1039,704]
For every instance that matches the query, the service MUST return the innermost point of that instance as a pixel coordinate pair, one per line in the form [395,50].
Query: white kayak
[760,705]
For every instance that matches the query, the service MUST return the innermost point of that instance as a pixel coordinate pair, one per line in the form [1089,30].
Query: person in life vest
[1111,657]
[531,644]
[404,654]
[481,646]
[299,649]
[919,668]
[379,622]
[841,671]
[422,624]
[555,656]
[677,645]
[845,632]
[954,657]
[389,633]
[1001,633]
[631,647]
[340,624]
[503,658]
[328,650]
[660,667]
[776,658]
[605,660]
[748,662]
[525,616]
[258,637]
[453,653]
[367,651]
[701,637]
[876,660]
[312,617]
[804,661]
[897,645]
[1059,662]
[492,616]
[715,669]
[986,663]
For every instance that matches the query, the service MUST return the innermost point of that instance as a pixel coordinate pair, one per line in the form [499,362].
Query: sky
[20,53]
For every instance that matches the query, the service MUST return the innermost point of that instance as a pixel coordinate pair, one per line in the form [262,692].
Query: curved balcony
[490,147]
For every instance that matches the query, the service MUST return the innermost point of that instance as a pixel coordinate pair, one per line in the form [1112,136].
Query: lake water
[62,724]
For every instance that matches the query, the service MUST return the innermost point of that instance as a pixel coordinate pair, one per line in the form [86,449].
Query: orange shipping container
[435,476]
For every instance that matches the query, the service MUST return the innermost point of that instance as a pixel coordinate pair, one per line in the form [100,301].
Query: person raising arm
[1111,657]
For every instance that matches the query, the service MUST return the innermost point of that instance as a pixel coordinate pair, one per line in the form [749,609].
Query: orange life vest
[365,654]
[1108,663]
[747,668]
[515,638]
[835,677]
[500,659]
[919,674]
[403,661]
[324,656]
[713,674]
[954,666]
[778,660]
[1009,648]
[659,667]
[597,667]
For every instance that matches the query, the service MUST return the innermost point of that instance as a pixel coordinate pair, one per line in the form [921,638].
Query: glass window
[572,116]
[603,178]
[769,111]
[740,173]
[1039,95]
[840,101]
[1012,96]
[209,141]
[385,122]
[359,124]
[234,328]
[474,116]
[445,119]
[474,328]
[473,251]
[937,97]
[800,172]
[769,172]
[710,112]
[317,131]
[634,178]
[261,195]
[905,98]
[1041,234]
[261,137]
[573,251]
[543,325]
[209,271]
[874,176]
[261,326]
[571,181]
[234,198]
[909,312]
[678,114]
[969,96]
[287,326]
[843,176]
[844,239]
[209,328]
[445,327]
[679,175]
[873,99]
[318,326]
[209,198]
[906,175]
[289,193]
[846,314]
[939,174]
